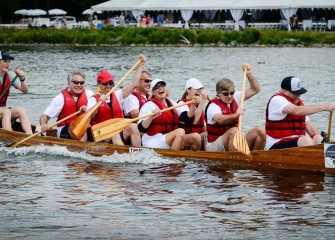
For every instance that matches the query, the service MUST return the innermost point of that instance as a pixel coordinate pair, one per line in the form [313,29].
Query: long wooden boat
[311,158]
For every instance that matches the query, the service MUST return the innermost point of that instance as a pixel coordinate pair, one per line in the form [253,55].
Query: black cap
[5,56]
[293,84]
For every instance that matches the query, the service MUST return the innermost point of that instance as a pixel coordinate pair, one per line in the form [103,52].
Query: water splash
[145,156]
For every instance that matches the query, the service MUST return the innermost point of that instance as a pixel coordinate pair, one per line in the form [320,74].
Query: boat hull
[309,158]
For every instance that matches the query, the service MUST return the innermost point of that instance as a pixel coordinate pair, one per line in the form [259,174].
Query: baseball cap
[5,56]
[104,77]
[155,81]
[193,83]
[293,84]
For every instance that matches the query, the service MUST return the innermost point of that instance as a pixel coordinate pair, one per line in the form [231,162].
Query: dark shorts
[286,144]
[64,133]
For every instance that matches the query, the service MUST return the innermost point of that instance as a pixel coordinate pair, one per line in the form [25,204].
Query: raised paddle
[79,126]
[37,133]
[330,125]
[240,142]
[112,127]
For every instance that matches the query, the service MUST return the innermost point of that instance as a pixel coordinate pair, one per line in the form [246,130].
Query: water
[51,193]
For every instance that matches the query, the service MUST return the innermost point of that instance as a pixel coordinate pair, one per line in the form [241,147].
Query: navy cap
[5,56]
[293,84]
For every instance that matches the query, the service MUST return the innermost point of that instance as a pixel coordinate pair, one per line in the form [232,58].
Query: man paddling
[16,79]
[70,100]
[134,102]
[111,106]
[287,123]
[222,116]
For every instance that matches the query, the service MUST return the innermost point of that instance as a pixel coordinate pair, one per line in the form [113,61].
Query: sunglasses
[110,83]
[158,87]
[146,80]
[78,82]
[226,94]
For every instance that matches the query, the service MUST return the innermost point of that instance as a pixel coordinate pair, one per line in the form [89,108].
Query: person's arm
[201,105]
[311,129]
[226,119]
[254,84]
[44,122]
[307,110]
[22,85]
[127,90]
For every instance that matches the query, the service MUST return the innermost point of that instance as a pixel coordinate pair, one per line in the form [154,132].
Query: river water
[51,193]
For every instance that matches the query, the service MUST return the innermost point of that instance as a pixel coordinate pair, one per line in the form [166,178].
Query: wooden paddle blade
[240,143]
[109,128]
[79,126]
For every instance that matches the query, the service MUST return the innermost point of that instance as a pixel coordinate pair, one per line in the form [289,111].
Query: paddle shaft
[240,117]
[115,86]
[11,83]
[39,132]
[79,126]
[163,110]
[330,125]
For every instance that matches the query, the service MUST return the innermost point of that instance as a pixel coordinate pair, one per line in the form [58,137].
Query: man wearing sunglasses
[222,114]
[111,106]
[287,123]
[134,102]
[70,100]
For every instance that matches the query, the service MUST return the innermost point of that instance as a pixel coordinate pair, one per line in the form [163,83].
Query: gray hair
[77,72]
[223,85]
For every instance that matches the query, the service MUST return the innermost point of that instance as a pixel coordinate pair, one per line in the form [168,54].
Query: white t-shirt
[214,109]
[56,106]
[131,103]
[147,108]
[276,107]
[11,77]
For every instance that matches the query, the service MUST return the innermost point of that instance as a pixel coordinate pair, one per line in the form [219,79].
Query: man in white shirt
[133,103]
[71,99]
[287,123]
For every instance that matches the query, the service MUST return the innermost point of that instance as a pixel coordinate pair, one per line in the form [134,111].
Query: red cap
[104,77]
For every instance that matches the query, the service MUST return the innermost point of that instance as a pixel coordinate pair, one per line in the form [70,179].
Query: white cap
[155,81]
[193,83]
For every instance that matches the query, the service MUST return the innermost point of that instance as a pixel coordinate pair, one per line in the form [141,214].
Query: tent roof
[157,5]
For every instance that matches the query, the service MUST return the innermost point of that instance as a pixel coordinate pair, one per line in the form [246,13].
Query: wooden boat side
[309,158]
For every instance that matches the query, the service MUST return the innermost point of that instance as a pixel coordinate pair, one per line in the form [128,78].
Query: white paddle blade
[240,143]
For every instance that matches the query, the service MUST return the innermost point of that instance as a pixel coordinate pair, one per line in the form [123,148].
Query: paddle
[79,126]
[240,142]
[14,145]
[11,83]
[330,125]
[112,127]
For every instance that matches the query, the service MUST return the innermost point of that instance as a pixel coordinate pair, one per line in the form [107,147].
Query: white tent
[236,8]
[156,5]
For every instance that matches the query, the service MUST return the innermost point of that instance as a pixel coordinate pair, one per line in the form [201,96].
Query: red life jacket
[290,125]
[107,111]
[140,98]
[3,86]
[214,131]
[166,122]
[198,127]
[70,106]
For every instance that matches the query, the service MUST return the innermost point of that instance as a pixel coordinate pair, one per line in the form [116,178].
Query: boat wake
[145,156]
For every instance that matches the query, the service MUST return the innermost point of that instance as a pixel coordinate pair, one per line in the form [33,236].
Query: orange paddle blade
[240,143]
[109,128]
[79,126]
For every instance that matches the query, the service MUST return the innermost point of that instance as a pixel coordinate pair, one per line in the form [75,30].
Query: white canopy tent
[237,8]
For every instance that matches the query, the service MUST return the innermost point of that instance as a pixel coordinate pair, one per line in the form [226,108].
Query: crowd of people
[193,122]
